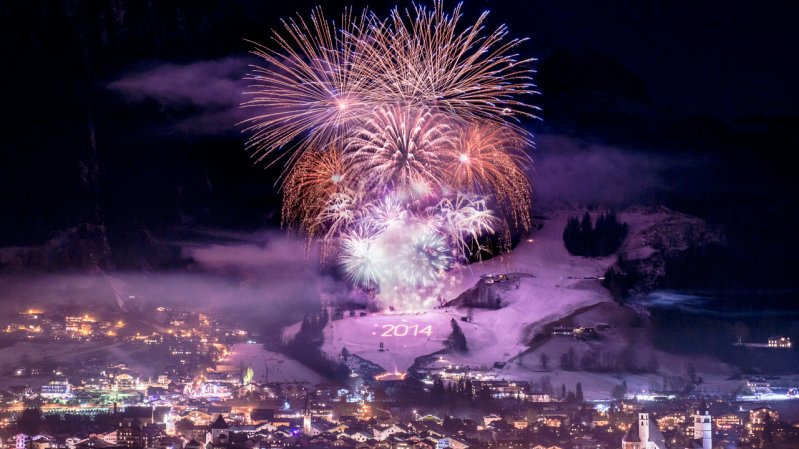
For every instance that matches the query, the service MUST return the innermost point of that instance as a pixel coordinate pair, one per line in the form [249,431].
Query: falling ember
[402,141]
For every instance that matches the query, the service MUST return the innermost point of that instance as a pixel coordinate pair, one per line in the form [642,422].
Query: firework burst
[318,176]
[403,141]
[491,160]
[400,147]
[424,57]
[310,90]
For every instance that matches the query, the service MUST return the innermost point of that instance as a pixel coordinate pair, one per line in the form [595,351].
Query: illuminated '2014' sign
[403,330]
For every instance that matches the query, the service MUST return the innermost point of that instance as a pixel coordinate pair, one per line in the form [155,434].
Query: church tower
[703,431]
[643,427]
[220,431]
[306,417]
[643,434]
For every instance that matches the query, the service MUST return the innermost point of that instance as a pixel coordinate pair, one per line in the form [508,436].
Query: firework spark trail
[402,141]
[400,146]
[464,220]
[316,178]
[420,57]
[310,86]
[490,160]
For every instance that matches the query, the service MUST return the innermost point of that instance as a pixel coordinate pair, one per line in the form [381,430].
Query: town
[193,397]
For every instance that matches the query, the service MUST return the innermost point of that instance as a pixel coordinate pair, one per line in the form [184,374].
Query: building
[778,341]
[487,420]
[728,421]
[703,431]
[220,431]
[125,382]
[643,435]
[56,390]
[22,441]
[110,437]
[452,443]
[129,434]
[306,422]
[759,417]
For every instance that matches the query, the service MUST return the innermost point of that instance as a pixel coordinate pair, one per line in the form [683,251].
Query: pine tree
[571,236]
[586,235]
[457,339]
[546,386]
[581,238]
[568,360]
[619,391]
[324,318]
[579,392]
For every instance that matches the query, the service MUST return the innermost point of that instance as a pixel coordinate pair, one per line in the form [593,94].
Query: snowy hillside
[541,283]
[548,284]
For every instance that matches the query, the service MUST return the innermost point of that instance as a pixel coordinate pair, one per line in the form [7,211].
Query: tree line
[583,238]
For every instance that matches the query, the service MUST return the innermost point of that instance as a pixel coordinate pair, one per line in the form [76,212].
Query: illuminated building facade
[778,341]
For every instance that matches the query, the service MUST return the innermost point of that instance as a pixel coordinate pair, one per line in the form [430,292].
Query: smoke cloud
[204,95]
[262,280]
[570,171]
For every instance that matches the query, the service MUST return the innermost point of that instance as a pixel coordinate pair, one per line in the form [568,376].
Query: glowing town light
[391,375]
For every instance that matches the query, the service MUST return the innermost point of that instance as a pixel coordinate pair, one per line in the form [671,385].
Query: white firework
[464,220]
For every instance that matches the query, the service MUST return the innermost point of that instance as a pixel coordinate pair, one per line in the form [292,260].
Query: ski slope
[548,284]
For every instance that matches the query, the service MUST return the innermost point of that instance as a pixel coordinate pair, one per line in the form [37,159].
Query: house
[344,442]
[451,443]
[97,443]
[431,418]
[363,436]
[778,341]
[111,436]
[488,420]
[71,442]
[193,444]
[382,434]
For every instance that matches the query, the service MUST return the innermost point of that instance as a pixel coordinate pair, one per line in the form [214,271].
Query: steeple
[643,427]
[703,430]
[306,417]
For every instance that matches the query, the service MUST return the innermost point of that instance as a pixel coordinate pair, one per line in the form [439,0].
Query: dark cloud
[573,171]
[263,280]
[207,94]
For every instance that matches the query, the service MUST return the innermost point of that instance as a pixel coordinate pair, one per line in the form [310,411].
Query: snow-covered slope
[544,284]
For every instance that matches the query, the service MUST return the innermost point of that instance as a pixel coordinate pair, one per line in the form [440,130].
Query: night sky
[122,114]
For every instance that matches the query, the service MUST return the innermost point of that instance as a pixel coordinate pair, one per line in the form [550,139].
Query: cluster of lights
[391,375]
